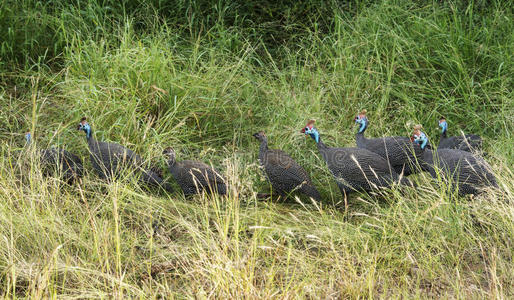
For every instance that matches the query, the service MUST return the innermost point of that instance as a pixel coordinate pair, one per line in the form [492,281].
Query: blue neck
[314,134]
[87,129]
[444,127]
[363,126]
[363,121]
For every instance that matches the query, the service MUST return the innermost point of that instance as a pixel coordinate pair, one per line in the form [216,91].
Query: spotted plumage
[403,155]
[55,161]
[62,162]
[355,169]
[465,142]
[283,172]
[110,159]
[195,177]
[471,173]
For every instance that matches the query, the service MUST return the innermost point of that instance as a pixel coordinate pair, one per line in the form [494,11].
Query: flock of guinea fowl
[375,163]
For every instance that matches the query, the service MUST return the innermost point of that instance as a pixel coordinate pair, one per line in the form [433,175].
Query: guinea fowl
[110,159]
[355,169]
[58,161]
[465,142]
[194,177]
[399,152]
[283,172]
[471,173]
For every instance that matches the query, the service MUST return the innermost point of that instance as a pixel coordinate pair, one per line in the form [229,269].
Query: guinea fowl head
[310,130]
[362,120]
[170,154]
[84,126]
[261,136]
[443,124]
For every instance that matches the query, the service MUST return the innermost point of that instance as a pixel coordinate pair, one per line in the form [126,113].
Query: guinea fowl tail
[311,191]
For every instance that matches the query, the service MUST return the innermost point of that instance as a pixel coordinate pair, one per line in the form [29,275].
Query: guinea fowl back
[464,142]
[471,173]
[403,155]
[360,169]
[69,165]
[283,172]
[109,159]
[197,174]
[57,161]
[468,142]
[194,176]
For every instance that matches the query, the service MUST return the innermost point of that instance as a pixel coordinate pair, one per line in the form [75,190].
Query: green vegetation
[203,76]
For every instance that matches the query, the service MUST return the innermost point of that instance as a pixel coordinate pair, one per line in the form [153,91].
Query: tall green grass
[204,76]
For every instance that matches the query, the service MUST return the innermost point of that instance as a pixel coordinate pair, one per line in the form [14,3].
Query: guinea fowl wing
[284,171]
[466,143]
[359,166]
[369,166]
[71,163]
[66,163]
[109,158]
[466,168]
[397,150]
[49,156]
[71,158]
[204,174]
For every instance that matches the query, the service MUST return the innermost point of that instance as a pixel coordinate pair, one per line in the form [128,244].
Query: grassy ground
[203,77]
